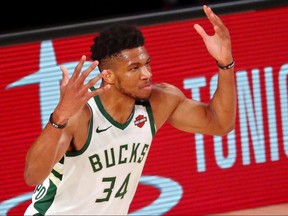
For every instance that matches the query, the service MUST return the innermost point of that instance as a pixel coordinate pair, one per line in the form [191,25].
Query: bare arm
[53,142]
[48,148]
[217,117]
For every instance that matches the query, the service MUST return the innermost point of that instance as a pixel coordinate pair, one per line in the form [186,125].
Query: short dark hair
[115,38]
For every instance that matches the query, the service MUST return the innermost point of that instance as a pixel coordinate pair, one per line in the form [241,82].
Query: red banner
[184,173]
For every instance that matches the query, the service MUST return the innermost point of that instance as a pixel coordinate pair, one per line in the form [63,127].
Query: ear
[109,77]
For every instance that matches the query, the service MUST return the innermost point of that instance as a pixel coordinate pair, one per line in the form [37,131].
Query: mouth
[147,87]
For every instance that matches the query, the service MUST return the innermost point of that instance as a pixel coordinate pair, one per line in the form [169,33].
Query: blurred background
[243,173]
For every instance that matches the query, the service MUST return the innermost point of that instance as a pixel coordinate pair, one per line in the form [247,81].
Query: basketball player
[89,157]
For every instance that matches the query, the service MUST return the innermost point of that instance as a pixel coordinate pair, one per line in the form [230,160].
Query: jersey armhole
[87,142]
[151,118]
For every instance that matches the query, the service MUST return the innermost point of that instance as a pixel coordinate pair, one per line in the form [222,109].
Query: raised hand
[74,93]
[219,44]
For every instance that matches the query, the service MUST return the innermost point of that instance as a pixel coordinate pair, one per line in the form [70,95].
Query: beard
[136,96]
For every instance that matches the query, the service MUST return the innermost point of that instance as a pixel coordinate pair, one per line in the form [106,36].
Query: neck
[118,106]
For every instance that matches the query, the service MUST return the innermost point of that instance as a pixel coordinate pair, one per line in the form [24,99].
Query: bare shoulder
[164,100]
[166,91]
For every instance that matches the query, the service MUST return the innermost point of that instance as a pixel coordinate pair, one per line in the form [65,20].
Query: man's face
[133,73]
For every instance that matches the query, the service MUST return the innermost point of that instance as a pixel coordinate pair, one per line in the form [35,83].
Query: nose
[146,73]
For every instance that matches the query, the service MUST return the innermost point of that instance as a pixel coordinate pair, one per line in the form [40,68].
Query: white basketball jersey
[102,177]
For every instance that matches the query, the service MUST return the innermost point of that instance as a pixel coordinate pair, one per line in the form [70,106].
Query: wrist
[225,60]
[226,66]
[57,122]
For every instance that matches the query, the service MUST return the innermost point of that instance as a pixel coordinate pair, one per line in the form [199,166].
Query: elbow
[32,179]
[222,125]
[29,181]
[32,182]
[224,130]
[227,130]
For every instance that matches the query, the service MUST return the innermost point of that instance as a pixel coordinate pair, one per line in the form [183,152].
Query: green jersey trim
[109,118]
[145,103]
[75,153]
[61,160]
[57,174]
[44,204]
[151,118]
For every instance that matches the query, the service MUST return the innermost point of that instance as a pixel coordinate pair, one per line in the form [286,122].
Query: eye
[147,65]
[135,68]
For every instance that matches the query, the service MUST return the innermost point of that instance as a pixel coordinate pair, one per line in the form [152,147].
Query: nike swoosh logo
[102,130]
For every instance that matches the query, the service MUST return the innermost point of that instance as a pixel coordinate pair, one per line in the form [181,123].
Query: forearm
[224,101]
[43,154]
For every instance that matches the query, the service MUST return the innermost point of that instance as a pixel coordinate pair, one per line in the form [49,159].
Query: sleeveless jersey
[102,177]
